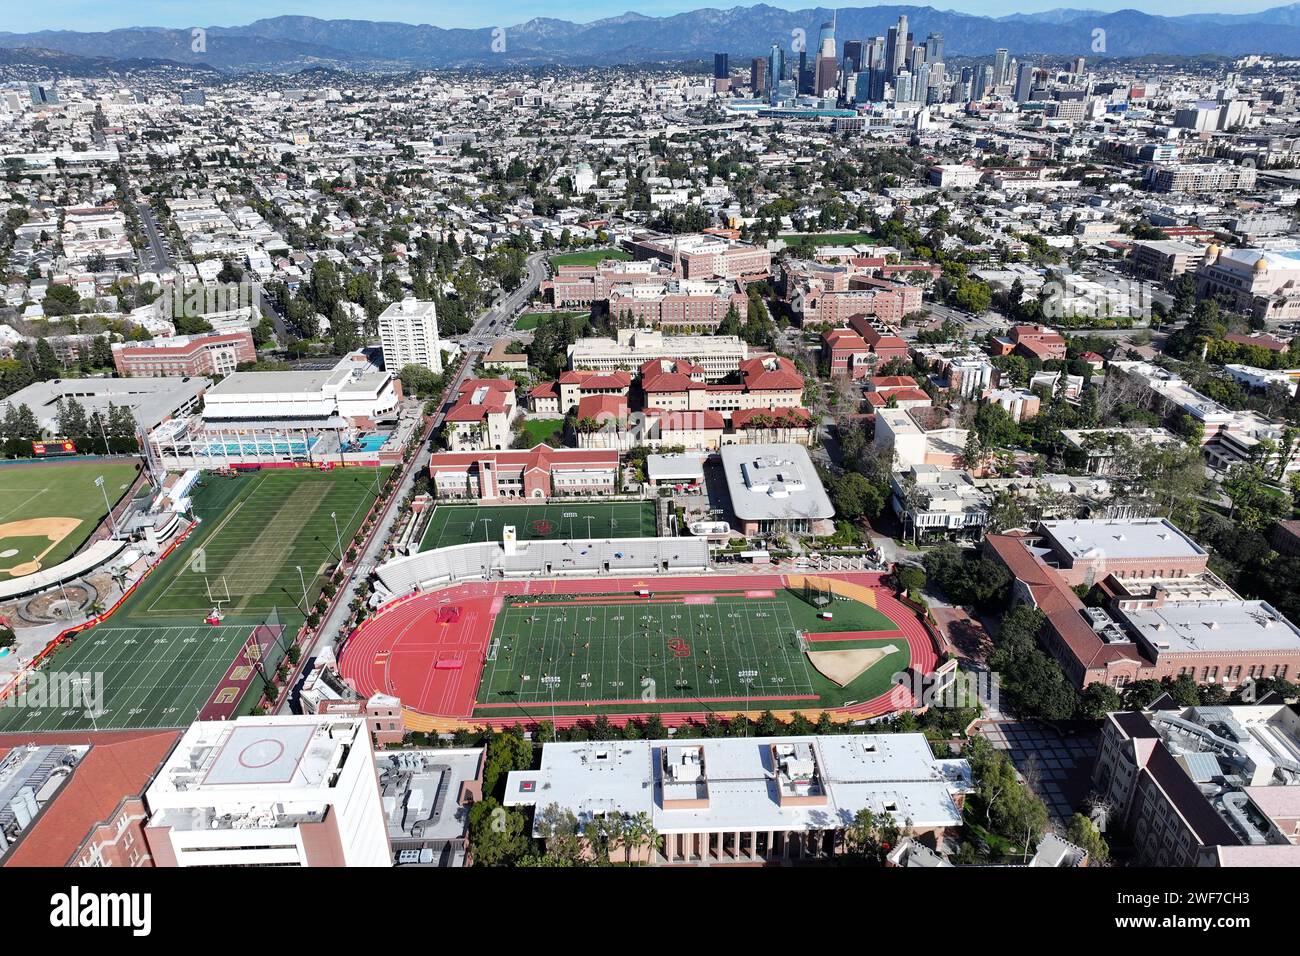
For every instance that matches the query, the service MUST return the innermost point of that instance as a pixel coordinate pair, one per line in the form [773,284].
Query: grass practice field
[589,257]
[461,524]
[666,651]
[47,509]
[159,660]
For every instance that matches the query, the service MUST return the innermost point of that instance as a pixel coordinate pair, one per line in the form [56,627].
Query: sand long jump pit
[845,666]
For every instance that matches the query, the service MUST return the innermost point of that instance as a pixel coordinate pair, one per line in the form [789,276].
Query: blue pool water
[371,442]
[249,447]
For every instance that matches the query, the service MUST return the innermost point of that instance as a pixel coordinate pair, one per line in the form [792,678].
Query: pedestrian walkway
[1060,768]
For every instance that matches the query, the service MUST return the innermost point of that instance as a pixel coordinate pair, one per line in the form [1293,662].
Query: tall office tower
[967,74]
[985,82]
[805,77]
[862,86]
[903,88]
[775,66]
[826,64]
[758,76]
[922,82]
[875,53]
[1076,66]
[1024,82]
[934,47]
[408,335]
[915,57]
[1000,66]
[855,52]
[826,39]
[42,94]
[896,47]
[721,66]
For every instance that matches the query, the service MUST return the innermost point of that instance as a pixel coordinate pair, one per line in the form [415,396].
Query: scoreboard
[43,449]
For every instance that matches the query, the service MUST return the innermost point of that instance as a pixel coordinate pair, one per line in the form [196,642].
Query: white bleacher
[487,560]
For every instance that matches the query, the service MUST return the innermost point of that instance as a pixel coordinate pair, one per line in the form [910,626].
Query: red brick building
[536,473]
[1162,615]
[209,353]
[1037,342]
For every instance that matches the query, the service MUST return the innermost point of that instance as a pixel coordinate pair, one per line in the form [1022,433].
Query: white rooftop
[1119,539]
[774,481]
[890,773]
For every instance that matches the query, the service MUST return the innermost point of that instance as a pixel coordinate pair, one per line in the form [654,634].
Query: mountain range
[294,43]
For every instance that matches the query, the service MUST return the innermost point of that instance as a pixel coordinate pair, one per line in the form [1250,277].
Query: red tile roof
[769,373]
[678,420]
[1058,601]
[119,765]
[602,406]
[535,457]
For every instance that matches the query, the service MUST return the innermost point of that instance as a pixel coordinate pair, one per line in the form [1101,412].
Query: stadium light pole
[99,483]
[295,601]
[337,540]
[303,582]
[589,526]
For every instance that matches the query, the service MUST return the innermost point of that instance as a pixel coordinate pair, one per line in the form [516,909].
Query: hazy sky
[108,14]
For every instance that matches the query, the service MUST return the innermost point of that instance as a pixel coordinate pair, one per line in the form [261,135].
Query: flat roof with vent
[1198,626]
[774,481]
[741,776]
[1110,539]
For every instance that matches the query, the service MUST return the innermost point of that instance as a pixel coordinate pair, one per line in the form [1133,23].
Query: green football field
[660,653]
[157,658]
[461,524]
[49,508]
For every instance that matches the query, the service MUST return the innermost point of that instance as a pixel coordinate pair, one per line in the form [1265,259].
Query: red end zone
[429,649]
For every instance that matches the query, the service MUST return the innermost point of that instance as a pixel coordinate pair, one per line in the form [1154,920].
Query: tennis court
[461,524]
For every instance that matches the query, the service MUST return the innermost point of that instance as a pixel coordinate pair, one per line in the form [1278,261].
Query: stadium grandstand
[550,558]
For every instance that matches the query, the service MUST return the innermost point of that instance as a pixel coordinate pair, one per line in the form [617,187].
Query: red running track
[435,668]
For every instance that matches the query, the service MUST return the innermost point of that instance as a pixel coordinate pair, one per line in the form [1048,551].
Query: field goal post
[800,641]
[492,649]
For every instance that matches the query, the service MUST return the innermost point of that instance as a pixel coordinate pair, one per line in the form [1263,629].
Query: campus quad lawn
[590,257]
[55,489]
[539,430]
[159,659]
[461,524]
[594,648]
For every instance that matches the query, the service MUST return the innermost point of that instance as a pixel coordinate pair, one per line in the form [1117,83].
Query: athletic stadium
[681,646]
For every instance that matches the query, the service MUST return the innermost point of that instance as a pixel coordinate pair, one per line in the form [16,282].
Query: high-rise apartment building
[408,334]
